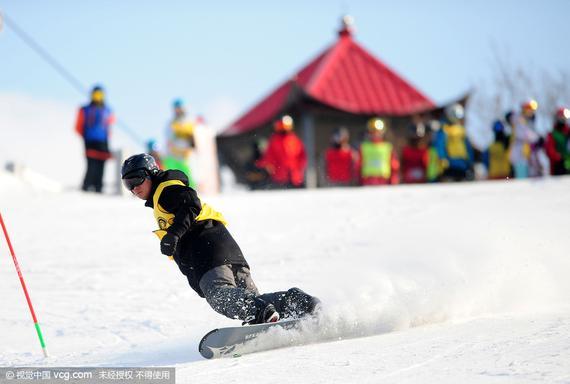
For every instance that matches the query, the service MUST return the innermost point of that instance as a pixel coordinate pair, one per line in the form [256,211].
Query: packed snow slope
[421,284]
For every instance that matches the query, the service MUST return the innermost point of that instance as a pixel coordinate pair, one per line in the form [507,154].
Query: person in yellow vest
[497,155]
[453,146]
[379,164]
[179,141]
[195,236]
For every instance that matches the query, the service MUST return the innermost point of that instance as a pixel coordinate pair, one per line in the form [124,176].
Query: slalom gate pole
[36,324]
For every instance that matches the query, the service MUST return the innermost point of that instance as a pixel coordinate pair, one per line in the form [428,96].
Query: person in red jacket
[415,157]
[341,159]
[285,158]
[558,143]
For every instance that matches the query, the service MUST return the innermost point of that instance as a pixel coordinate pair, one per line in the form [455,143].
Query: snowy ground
[441,283]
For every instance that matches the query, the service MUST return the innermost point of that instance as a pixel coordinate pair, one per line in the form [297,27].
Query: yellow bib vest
[456,148]
[376,159]
[499,163]
[165,219]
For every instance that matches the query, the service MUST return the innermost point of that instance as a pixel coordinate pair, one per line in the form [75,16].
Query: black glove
[168,244]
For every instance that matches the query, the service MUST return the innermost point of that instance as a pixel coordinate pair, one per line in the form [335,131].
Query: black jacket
[204,244]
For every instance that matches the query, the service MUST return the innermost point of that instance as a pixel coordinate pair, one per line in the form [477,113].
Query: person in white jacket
[523,138]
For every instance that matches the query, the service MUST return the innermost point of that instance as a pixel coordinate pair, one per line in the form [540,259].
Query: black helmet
[141,162]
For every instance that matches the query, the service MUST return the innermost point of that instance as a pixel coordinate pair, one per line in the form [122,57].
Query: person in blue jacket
[93,123]
[453,146]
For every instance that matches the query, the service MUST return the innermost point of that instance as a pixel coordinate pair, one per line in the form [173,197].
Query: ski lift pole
[36,324]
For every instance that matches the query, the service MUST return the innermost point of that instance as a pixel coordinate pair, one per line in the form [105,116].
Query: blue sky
[223,56]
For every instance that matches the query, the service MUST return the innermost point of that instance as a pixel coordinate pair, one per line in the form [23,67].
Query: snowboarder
[194,235]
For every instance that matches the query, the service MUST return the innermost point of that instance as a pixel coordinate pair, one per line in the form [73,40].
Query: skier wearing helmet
[378,162]
[497,155]
[194,235]
[415,155]
[180,141]
[340,159]
[527,155]
[285,159]
[453,146]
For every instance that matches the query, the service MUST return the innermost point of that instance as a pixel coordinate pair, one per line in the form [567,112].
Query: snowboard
[235,341]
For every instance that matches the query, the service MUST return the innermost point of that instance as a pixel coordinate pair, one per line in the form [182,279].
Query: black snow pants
[230,291]
[94,175]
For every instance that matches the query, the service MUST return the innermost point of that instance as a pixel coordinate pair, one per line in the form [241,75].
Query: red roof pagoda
[345,77]
[344,86]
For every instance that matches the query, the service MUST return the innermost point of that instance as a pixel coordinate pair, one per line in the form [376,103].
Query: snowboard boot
[298,304]
[266,314]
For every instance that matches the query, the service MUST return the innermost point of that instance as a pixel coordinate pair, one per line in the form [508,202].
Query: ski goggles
[135,180]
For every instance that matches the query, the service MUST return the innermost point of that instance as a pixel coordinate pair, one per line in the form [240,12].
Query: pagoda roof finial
[347,26]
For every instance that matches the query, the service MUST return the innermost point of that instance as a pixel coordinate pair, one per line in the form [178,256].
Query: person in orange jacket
[93,123]
[379,164]
[285,158]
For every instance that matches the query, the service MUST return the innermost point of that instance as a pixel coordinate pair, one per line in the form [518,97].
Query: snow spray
[36,324]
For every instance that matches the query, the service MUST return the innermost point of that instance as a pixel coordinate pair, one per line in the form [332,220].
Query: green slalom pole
[36,324]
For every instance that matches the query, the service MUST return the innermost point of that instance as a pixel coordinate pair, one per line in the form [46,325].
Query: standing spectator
[453,146]
[153,150]
[285,158]
[434,165]
[379,164]
[179,141]
[341,159]
[538,163]
[497,156]
[509,123]
[93,123]
[415,156]
[558,142]
[256,177]
[523,137]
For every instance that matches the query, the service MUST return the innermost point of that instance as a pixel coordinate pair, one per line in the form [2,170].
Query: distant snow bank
[22,178]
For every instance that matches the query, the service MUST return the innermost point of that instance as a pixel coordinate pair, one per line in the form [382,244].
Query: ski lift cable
[59,68]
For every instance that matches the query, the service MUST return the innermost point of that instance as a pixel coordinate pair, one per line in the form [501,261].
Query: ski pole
[36,324]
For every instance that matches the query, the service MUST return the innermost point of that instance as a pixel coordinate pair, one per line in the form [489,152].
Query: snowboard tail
[235,341]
